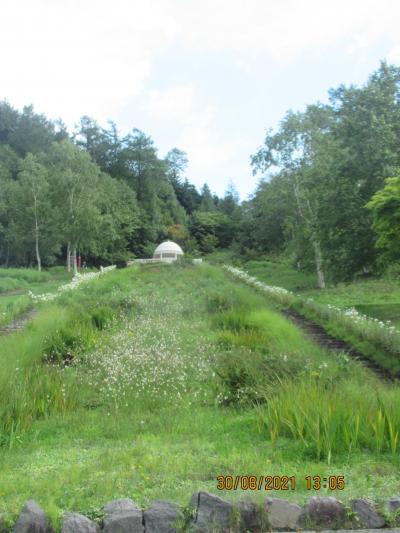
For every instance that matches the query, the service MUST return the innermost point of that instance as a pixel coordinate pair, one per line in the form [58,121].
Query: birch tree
[295,150]
[29,207]
[75,178]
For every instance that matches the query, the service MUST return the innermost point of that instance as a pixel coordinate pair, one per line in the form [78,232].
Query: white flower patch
[147,358]
[76,281]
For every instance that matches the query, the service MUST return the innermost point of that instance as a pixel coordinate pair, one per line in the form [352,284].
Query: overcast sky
[207,76]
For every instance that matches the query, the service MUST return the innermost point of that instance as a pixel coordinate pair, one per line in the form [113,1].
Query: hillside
[150,382]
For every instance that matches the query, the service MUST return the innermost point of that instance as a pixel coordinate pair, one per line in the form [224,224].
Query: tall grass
[258,347]
[26,274]
[330,419]
[37,373]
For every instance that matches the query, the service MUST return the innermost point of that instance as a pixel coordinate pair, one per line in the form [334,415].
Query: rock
[124,504]
[32,520]
[250,516]
[162,517]
[282,514]
[392,505]
[123,516]
[77,523]
[366,514]
[211,513]
[322,512]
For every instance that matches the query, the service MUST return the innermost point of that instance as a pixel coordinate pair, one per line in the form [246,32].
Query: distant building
[167,251]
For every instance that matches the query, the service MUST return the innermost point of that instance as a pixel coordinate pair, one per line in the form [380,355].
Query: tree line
[328,198]
[105,196]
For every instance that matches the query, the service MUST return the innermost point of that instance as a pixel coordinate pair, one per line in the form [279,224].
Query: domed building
[168,251]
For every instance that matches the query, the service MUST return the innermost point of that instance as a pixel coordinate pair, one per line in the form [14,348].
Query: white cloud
[287,28]
[71,58]
[173,104]
[207,147]
[96,57]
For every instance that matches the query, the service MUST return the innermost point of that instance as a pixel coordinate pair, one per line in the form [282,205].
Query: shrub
[65,344]
[101,316]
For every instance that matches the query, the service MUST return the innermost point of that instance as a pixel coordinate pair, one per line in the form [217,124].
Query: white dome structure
[167,251]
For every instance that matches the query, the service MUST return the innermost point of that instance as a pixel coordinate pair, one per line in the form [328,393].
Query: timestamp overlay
[281,483]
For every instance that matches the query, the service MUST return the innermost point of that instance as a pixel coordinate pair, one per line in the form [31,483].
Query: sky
[206,76]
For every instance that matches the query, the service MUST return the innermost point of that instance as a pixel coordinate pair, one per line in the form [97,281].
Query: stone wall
[207,513]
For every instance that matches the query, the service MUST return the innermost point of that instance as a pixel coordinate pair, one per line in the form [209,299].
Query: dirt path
[324,339]
[18,323]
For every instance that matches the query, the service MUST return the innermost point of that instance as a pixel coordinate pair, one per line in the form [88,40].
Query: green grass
[378,298]
[373,333]
[13,306]
[177,373]
[15,284]
[280,275]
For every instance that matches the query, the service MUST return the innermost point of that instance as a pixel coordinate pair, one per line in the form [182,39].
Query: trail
[18,323]
[324,339]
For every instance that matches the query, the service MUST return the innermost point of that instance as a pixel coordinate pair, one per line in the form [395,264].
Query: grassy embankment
[364,313]
[157,380]
[15,284]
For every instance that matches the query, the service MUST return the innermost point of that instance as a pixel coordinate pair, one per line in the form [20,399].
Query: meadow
[365,313]
[150,382]
[15,284]
[376,297]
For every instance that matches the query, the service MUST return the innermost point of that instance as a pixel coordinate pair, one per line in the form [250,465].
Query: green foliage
[385,207]
[330,160]
[316,413]
[254,343]
[64,345]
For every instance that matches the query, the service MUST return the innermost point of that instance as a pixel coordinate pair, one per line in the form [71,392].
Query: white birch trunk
[318,264]
[38,259]
[69,257]
[74,261]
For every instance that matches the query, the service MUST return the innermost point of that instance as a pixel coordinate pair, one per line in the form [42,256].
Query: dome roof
[168,246]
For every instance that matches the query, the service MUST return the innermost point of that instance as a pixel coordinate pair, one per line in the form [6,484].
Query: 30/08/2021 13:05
[278,482]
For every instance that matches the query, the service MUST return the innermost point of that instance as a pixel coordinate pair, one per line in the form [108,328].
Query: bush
[65,344]
[392,271]
[101,316]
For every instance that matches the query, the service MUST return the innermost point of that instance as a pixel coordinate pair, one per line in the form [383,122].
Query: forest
[327,199]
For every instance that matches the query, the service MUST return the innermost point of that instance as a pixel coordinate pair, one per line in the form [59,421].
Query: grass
[163,378]
[15,284]
[378,298]
[375,339]
[281,275]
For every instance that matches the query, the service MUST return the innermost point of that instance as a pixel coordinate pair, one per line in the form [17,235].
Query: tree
[298,148]
[30,214]
[177,163]
[385,207]
[75,181]
[207,202]
[34,186]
